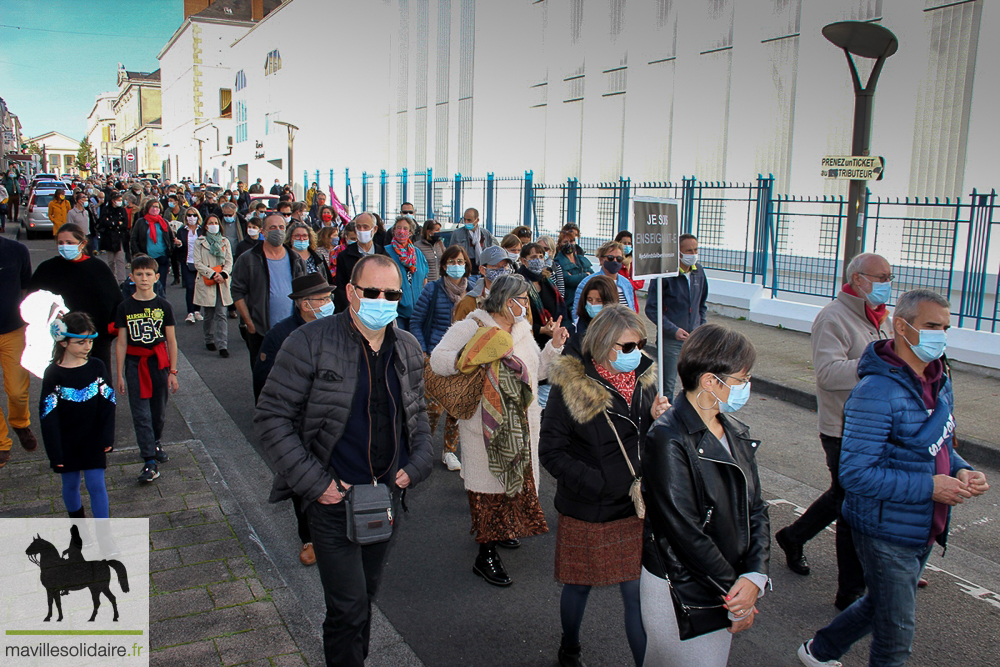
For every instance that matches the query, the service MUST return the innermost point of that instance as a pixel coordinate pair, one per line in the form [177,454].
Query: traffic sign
[129,157]
[853,167]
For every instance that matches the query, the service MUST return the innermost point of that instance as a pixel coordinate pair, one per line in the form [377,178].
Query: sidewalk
[784,370]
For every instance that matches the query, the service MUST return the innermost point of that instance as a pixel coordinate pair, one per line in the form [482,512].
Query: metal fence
[788,244]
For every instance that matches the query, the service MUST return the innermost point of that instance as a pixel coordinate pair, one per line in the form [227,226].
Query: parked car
[35,218]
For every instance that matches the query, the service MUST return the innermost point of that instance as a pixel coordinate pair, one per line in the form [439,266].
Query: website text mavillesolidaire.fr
[83,649]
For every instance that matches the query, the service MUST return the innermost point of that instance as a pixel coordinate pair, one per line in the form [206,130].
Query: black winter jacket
[306,402]
[702,536]
[577,446]
[112,228]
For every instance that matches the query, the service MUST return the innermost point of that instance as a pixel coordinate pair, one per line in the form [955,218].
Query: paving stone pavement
[208,603]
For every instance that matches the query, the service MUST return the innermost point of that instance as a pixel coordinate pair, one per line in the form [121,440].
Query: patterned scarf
[623,382]
[215,245]
[455,291]
[506,397]
[407,255]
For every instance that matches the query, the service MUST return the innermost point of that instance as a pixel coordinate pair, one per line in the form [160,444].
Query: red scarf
[150,219]
[875,315]
[407,255]
[623,382]
[162,359]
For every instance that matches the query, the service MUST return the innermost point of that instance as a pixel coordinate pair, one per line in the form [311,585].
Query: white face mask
[522,316]
[213,229]
[365,236]
[253,232]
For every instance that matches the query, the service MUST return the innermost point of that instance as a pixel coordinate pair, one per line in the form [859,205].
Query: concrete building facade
[138,116]
[58,153]
[102,130]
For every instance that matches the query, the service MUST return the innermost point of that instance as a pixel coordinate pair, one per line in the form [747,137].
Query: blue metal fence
[788,244]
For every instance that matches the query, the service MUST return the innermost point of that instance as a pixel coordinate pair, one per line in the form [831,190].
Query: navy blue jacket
[887,457]
[269,347]
[438,311]
[684,307]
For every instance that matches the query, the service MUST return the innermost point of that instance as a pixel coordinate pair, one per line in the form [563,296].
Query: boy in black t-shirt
[147,361]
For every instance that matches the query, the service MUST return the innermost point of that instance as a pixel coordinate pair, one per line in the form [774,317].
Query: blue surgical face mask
[594,308]
[455,271]
[352,241]
[738,396]
[323,311]
[300,245]
[627,249]
[469,226]
[69,252]
[228,218]
[376,314]
[626,361]
[933,342]
[880,292]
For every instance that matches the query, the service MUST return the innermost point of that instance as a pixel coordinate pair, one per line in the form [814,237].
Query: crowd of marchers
[364,334]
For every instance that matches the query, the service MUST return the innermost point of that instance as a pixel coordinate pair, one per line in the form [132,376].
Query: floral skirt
[496,517]
[598,554]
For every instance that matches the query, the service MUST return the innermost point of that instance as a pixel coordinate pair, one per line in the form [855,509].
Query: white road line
[972,589]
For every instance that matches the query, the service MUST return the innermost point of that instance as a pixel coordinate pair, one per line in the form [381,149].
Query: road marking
[974,590]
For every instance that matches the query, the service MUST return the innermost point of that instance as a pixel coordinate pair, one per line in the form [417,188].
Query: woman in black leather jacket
[707,530]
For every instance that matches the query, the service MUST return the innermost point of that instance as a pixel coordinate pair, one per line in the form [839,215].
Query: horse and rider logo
[60,575]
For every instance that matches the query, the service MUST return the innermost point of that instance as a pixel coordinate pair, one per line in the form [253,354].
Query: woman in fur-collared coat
[602,403]
[500,441]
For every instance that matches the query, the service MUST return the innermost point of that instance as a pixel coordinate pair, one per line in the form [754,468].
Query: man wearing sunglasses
[343,406]
[610,257]
[262,281]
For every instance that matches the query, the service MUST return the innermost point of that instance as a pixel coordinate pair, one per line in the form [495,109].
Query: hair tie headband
[59,333]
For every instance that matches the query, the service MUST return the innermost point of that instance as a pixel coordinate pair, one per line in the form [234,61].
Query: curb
[972,449]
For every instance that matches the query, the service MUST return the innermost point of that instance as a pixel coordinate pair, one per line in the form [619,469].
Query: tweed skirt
[598,554]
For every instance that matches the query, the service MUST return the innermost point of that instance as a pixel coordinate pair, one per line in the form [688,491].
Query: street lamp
[291,141]
[866,40]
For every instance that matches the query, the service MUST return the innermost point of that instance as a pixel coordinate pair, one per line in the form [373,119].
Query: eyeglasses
[614,258]
[739,381]
[881,278]
[628,347]
[374,292]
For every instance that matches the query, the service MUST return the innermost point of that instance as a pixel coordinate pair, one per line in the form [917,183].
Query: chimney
[256,10]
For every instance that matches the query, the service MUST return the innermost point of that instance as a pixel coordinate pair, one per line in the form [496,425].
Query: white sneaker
[198,317]
[450,460]
[190,318]
[807,659]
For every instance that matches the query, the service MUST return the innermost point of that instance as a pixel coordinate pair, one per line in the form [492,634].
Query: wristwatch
[173,372]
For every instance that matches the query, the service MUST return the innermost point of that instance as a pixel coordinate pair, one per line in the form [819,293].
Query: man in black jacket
[684,307]
[364,227]
[345,406]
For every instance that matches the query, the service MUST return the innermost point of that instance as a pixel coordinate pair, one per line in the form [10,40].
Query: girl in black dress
[77,409]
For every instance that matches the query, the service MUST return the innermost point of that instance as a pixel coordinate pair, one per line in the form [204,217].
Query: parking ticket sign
[655,228]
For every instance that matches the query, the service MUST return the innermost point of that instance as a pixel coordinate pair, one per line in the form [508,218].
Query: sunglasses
[614,258]
[628,347]
[374,292]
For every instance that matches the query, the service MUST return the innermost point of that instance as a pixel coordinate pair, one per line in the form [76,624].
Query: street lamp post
[866,40]
[291,154]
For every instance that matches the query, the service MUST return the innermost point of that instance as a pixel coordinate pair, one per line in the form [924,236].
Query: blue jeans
[671,350]
[543,395]
[887,610]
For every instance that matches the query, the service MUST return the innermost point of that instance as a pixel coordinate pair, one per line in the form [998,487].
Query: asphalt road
[450,617]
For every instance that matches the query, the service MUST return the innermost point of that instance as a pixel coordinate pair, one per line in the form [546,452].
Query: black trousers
[301,520]
[350,576]
[825,510]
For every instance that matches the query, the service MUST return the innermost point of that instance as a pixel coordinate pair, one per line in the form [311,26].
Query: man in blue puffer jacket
[901,477]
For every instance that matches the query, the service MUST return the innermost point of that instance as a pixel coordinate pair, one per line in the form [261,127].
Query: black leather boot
[569,656]
[794,556]
[489,566]
[79,514]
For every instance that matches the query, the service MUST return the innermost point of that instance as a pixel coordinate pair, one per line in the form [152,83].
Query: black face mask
[568,248]
[433,238]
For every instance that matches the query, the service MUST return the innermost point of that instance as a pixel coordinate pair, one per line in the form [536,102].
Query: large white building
[594,89]
[101,131]
[198,80]
[137,122]
[58,153]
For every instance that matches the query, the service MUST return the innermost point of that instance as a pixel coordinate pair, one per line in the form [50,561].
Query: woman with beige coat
[213,261]
[500,441]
